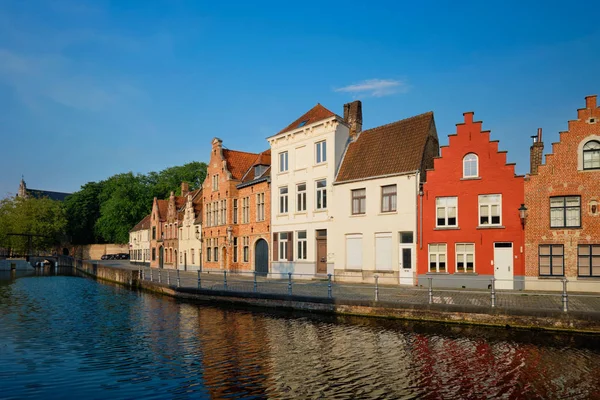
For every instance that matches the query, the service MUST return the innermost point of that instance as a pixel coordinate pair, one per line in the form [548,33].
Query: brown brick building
[230,226]
[562,232]
[171,227]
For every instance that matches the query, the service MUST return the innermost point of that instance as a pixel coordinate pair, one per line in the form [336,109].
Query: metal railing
[382,288]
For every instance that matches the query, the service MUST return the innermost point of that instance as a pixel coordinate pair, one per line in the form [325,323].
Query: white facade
[306,221]
[190,239]
[369,238]
[139,246]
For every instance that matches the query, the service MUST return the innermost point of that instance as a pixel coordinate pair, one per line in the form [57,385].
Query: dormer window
[259,170]
[470,166]
[591,155]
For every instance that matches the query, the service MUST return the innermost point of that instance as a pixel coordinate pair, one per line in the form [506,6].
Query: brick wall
[255,229]
[561,176]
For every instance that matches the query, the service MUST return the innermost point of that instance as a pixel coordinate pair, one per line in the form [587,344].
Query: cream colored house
[305,157]
[376,222]
[139,242]
[190,232]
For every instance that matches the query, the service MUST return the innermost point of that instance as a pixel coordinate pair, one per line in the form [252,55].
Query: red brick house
[229,230]
[562,196]
[171,227]
[471,226]
[158,219]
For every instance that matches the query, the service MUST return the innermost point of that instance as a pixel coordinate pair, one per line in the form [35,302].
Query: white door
[406,258]
[503,265]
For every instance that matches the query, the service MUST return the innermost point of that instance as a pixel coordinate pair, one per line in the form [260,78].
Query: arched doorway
[161,256]
[223,257]
[261,257]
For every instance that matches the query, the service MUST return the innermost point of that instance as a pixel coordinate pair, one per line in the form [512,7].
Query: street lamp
[197,233]
[523,214]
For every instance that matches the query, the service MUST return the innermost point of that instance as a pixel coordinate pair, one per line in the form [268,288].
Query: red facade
[471,227]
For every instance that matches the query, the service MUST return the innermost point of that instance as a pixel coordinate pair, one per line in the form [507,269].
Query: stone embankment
[542,319]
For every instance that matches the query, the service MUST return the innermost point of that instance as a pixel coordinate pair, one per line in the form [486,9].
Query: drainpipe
[420,216]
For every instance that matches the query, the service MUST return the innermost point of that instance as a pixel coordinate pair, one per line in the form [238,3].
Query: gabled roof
[39,194]
[163,208]
[317,113]
[264,159]
[238,162]
[388,149]
[143,224]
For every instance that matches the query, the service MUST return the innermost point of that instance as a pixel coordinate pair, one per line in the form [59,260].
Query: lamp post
[523,214]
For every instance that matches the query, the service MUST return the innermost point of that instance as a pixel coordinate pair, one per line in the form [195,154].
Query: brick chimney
[536,152]
[185,188]
[590,102]
[353,117]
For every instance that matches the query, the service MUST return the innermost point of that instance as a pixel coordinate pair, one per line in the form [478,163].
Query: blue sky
[91,89]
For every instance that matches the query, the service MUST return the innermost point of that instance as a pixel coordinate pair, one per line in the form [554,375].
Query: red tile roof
[238,162]
[163,208]
[143,224]
[388,149]
[263,158]
[317,113]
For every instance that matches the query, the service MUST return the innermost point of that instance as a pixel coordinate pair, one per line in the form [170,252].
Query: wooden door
[321,256]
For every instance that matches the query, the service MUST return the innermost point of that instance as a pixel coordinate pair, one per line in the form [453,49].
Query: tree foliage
[44,217]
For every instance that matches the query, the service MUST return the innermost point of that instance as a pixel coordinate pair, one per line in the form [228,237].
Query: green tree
[170,179]
[83,210]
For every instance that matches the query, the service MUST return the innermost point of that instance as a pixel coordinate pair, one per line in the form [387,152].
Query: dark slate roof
[39,194]
[388,149]
[317,113]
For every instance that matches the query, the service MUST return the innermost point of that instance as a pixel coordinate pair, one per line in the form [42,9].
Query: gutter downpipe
[420,194]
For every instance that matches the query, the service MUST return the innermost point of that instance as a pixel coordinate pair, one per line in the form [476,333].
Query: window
[215,182]
[383,251]
[322,194]
[301,197]
[588,259]
[359,201]
[153,253]
[437,257]
[216,249]
[260,207]
[321,150]
[283,200]
[465,257]
[565,212]
[490,209]
[551,260]
[193,256]
[209,249]
[283,161]
[591,155]
[245,210]
[354,257]
[235,211]
[208,215]
[301,254]
[223,212]
[283,239]
[153,234]
[388,198]
[470,166]
[235,249]
[246,243]
[446,211]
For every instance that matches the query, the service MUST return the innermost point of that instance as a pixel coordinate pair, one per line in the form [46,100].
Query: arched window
[470,166]
[591,155]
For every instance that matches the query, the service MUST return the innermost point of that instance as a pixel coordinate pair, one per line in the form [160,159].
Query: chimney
[590,102]
[185,188]
[536,152]
[353,117]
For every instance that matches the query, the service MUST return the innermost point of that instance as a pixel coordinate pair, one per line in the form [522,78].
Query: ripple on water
[65,336]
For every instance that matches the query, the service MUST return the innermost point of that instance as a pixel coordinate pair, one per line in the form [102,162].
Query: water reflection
[61,335]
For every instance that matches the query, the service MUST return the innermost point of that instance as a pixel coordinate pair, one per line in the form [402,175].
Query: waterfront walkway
[523,301]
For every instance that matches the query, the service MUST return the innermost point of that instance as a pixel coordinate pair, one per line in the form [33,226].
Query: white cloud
[376,87]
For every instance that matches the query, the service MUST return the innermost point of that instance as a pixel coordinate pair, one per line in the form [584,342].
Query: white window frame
[283,161]
[301,245]
[282,243]
[463,250]
[392,199]
[563,211]
[245,210]
[321,195]
[235,211]
[215,182]
[436,253]
[468,161]
[445,203]
[358,199]
[593,161]
[301,197]
[321,152]
[489,206]
[283,200]
[260,207]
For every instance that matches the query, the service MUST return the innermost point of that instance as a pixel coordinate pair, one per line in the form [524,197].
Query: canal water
[72,337]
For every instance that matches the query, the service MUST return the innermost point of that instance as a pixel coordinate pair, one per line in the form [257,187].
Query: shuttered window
[383,251]
[354,257]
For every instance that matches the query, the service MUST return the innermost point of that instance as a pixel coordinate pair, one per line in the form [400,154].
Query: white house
[190,232]
[139,242]
[375,223]
[305,158]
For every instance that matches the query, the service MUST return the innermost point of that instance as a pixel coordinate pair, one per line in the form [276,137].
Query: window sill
[388,212]
[588,278]
[324,163]
[552,277]
[299,213]
[474,178]
[491,227]
[321,210]
[283,172]
[437,273]
[565,228]
[283,215]
[446,228]
[353,270]
[466,273]
[358,215]
[300,169]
